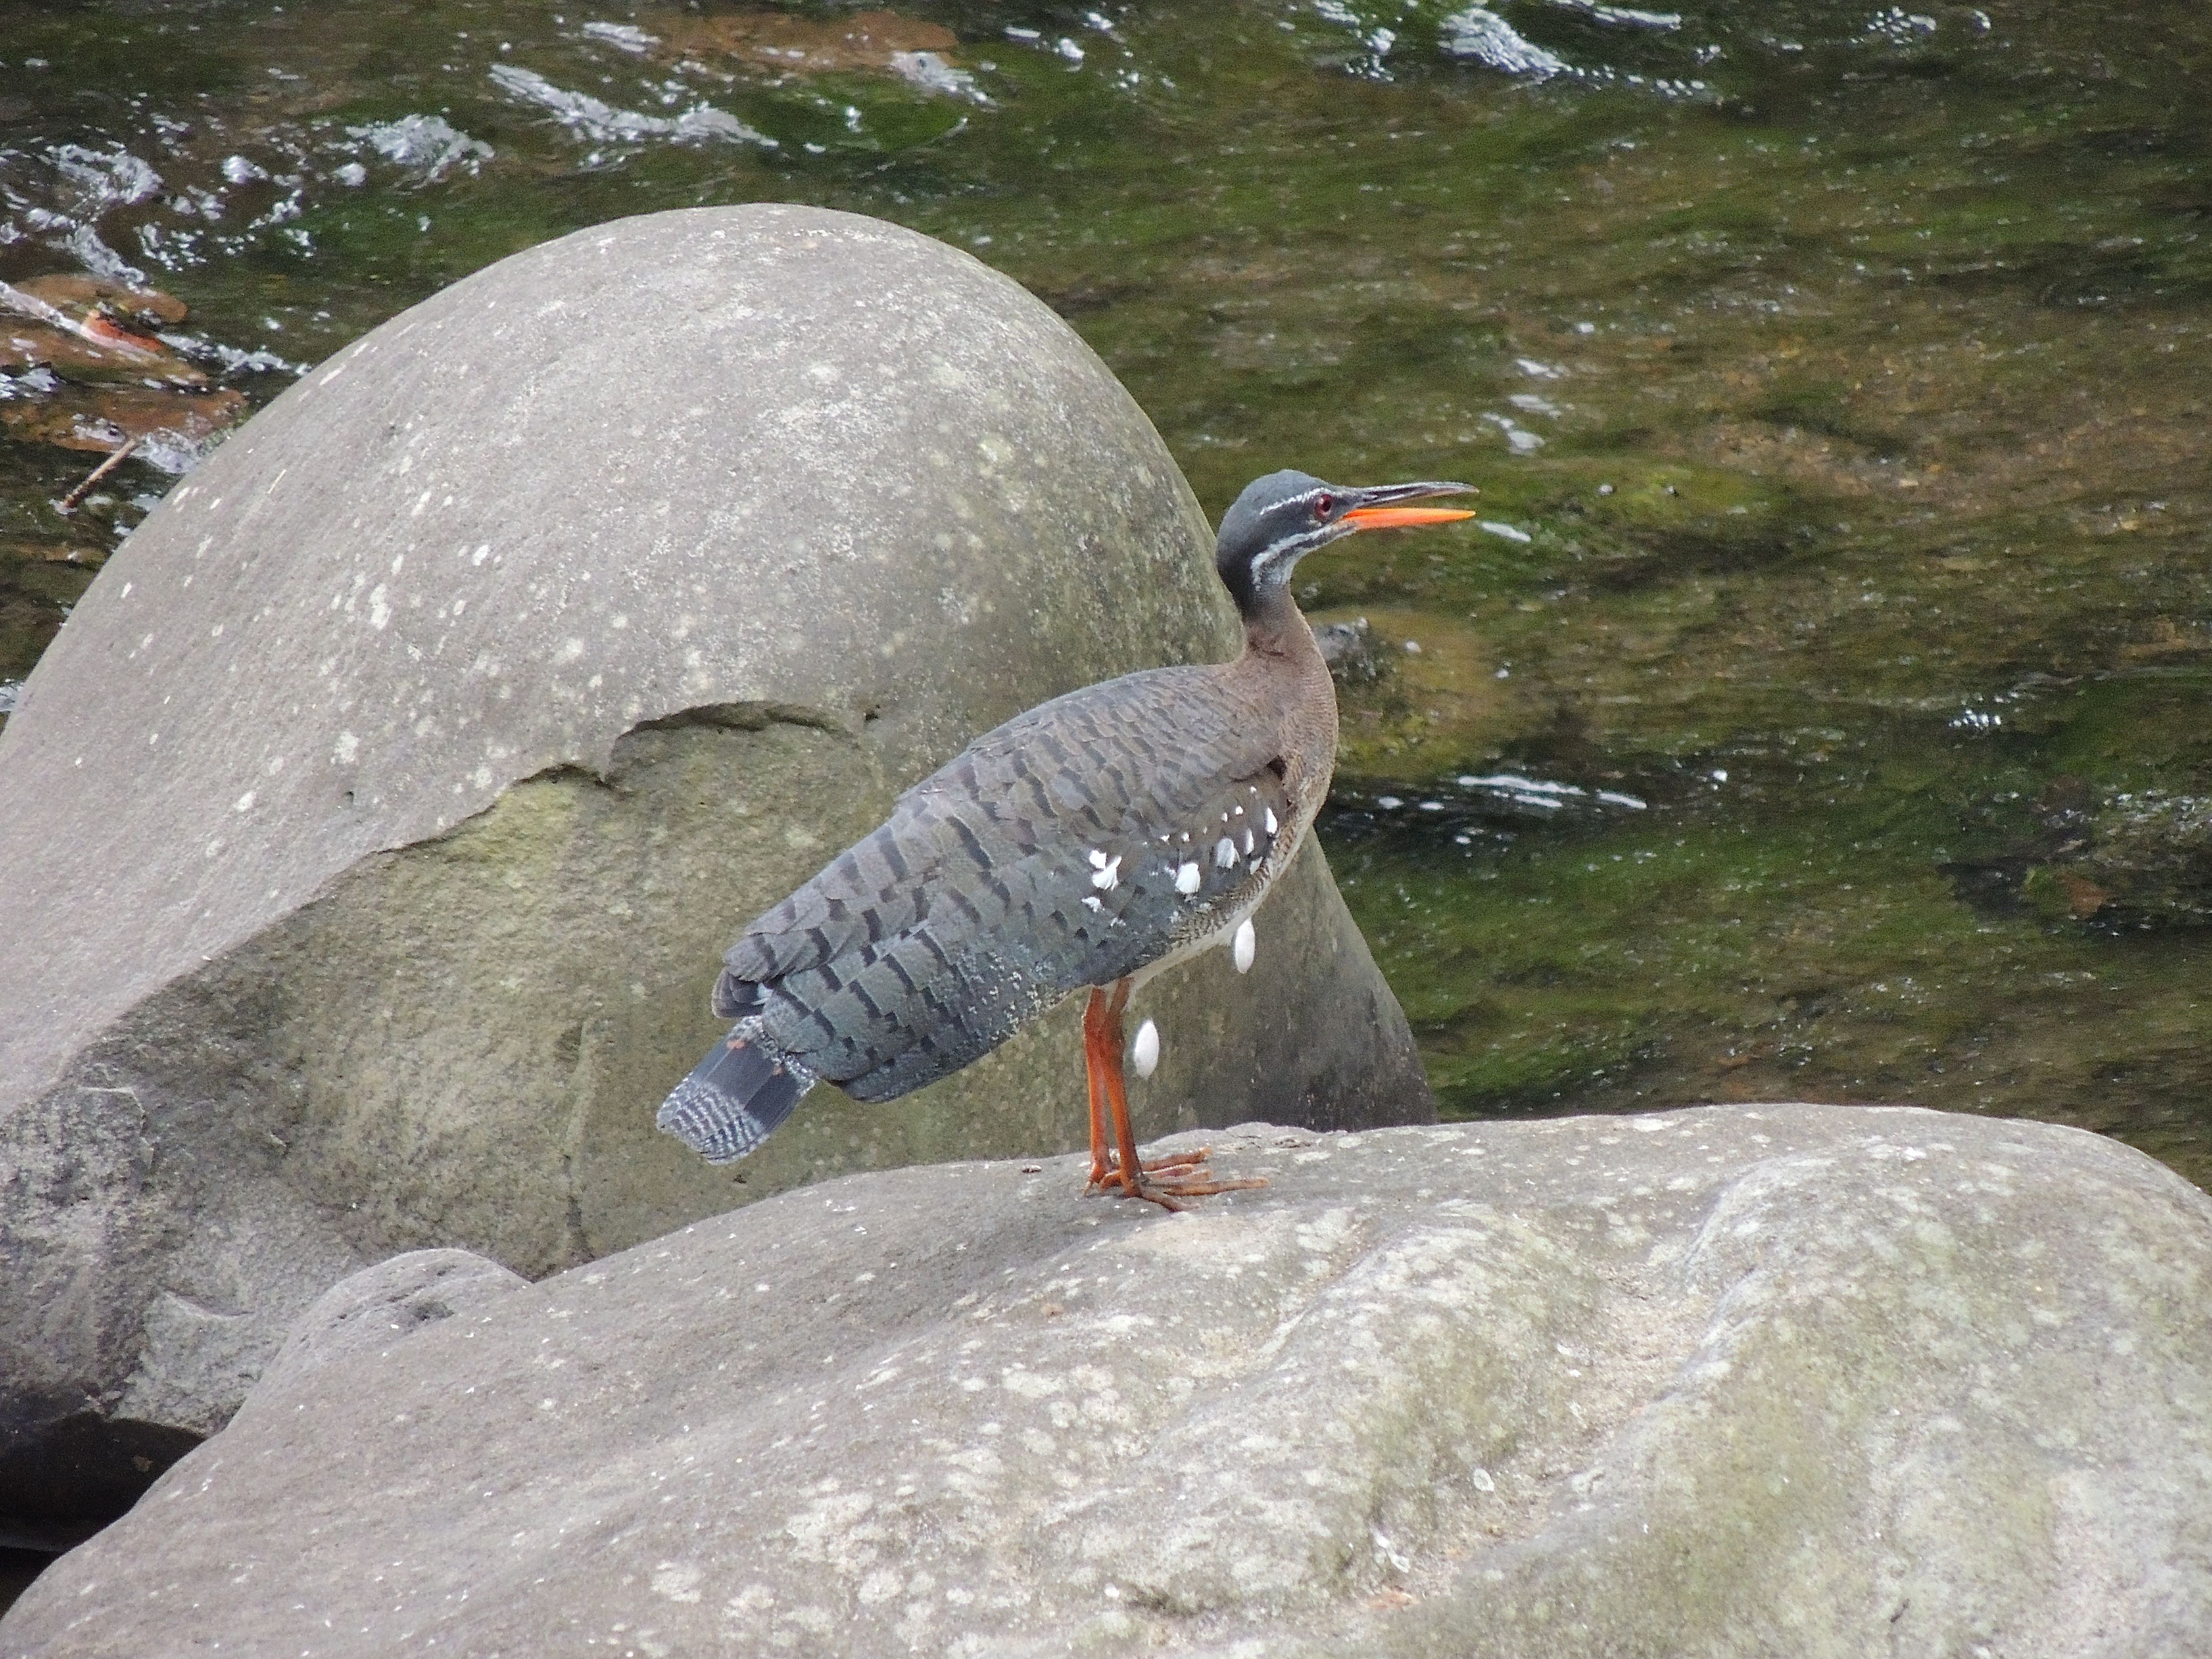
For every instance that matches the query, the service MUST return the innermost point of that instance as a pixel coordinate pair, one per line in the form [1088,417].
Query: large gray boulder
[1804,1380]
[369,836]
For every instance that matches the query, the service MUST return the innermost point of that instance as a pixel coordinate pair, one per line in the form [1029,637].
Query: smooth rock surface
[1803,1380]
[370,835]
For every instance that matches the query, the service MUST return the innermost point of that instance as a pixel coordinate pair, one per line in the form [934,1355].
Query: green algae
[1833,386]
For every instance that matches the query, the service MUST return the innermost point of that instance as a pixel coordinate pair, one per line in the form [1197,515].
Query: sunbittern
[1087,844]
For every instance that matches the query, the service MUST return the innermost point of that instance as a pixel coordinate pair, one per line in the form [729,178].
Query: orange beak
[1401,518]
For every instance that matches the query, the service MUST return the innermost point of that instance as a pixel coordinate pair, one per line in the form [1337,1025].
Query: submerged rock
[370,835]
[2147,859]
[79,369]
[1354,651]
[1734,1381]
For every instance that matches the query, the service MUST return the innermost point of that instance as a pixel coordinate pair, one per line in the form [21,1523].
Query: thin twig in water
[68,503]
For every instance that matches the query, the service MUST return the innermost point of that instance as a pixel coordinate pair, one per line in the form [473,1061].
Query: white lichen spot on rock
[676,1580]
[830,1530]
[244,802]
[346,748]
[379,610]
[1029,1384]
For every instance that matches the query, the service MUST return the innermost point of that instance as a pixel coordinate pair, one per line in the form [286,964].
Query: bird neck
[1275,628]
[1287,680]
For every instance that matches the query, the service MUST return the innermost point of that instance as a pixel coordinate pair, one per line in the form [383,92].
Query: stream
[1816,708]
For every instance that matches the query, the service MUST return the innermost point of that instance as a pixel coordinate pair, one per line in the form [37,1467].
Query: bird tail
[734,1097]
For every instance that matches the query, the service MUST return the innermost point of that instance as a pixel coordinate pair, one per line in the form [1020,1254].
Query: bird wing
[1074,845]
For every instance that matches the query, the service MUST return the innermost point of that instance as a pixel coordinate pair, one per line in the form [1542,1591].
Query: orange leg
[1182,1176]
[1094,1074]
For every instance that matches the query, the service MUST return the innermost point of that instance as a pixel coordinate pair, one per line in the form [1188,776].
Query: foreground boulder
[1799,1380]
[370,835]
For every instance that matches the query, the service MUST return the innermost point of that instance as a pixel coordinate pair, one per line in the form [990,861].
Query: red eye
[1323,506]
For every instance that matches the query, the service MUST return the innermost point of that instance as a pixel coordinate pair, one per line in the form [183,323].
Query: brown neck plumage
[1279,652]
[1274,627]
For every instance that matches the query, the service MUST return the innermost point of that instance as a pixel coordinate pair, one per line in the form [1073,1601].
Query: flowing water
[1817,710]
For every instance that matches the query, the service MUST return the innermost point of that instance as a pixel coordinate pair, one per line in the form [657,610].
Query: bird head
[1281,518]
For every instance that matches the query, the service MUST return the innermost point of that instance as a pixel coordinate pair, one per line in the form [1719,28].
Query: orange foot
[1161,1181]
[1107,1171]
[1166,1181]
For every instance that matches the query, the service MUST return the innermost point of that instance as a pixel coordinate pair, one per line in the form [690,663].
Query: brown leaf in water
[2166,641]
[99,419]
[54,553]
[807,45]
[25,344]
[78,292]
[2084,898]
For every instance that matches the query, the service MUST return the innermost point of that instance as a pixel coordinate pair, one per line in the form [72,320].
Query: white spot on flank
[1271,820]
[1144,1053]
[1108,876]
[1098,859]
[1224,852]
[1093,902]
[1247,841]
[1248,944]
[1187,879]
